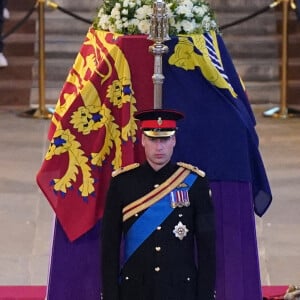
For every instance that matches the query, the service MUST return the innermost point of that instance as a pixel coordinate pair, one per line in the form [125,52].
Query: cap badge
[159,121]
[180,231]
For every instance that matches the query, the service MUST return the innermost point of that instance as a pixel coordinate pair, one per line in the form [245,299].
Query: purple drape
[75,267]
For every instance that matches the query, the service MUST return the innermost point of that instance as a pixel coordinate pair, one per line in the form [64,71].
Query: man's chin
[160,163]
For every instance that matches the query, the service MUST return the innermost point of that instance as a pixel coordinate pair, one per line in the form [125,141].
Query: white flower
[133,22]
[134,16]
[104,22]
[214,24]
[138,2]
[187,26]
[205,21]
[199,10]
[112,27]
[144,26]
[119,25]
[187,3]
[125,11]
[184,10]
[115,13]
[143,12]
[132,4]
[125,24]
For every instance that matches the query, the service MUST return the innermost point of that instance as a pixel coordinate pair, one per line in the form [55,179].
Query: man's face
[158,151]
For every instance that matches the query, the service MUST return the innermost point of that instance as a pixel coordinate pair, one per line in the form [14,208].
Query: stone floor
[278,229]
[26,218]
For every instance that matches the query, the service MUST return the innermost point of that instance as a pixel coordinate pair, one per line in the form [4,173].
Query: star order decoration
[180,230]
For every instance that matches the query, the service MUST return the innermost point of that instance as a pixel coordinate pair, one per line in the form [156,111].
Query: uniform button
[188,279]
[157,249]
[136,215]
[126,278]
[158,227]
[157,269]
[156,185]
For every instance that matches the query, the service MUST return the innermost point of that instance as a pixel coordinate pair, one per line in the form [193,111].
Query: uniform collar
[169,167]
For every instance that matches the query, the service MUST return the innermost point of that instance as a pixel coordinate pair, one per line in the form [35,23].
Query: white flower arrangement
[133,16]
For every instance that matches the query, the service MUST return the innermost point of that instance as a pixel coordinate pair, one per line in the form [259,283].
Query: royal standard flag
[93,131]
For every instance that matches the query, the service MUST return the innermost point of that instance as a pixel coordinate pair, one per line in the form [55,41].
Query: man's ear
[174,139]
[143,138]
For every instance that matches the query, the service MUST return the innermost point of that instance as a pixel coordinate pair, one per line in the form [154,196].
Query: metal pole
[42,111]
[283,111]
[41,57]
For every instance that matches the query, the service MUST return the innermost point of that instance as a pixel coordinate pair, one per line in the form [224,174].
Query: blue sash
[151,219]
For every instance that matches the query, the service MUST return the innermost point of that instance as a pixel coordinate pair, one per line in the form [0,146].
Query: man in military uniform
[164,214]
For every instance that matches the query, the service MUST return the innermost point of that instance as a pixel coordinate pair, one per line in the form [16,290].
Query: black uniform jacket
[163,267]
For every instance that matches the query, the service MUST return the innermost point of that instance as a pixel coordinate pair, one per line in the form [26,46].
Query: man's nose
[159,143]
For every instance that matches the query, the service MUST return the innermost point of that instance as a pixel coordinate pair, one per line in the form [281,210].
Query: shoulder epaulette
[192,168]
[125,169]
